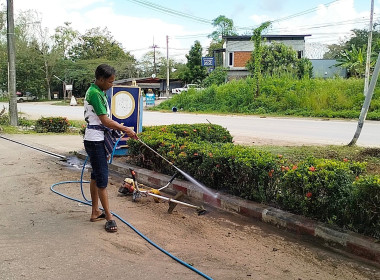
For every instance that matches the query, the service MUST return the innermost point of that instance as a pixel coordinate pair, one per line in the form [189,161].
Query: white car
[185,88]
[27,96]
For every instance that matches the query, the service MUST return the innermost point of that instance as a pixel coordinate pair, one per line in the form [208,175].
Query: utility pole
[368,61]
[63,87]
[367,102]
[168,67]
[154,57]
[11,65]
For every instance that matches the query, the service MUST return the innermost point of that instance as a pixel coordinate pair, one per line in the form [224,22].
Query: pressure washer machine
[131,187]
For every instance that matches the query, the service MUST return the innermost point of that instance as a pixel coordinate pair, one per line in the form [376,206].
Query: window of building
[300,54]
[231,59]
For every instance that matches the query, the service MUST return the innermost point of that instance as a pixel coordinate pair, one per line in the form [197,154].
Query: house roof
[248,37]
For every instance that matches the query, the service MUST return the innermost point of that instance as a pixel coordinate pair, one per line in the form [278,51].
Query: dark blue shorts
[98,158]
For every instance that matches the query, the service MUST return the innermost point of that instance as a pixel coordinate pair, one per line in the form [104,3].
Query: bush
[25,122]
[4,119]
[364,214]
[52,124]
[170,141]
[336,192]
[318,188]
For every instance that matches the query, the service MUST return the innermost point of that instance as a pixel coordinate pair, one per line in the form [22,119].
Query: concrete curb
[368,248]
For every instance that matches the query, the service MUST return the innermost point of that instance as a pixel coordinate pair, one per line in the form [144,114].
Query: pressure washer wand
[155,152]
[187,176]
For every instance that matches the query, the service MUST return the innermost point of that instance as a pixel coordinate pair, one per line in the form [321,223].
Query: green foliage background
[330,98]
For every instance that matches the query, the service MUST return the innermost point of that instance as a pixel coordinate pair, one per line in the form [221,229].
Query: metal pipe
[170,199]
[35,148]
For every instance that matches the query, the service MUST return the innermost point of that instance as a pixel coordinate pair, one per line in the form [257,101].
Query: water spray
[184,174]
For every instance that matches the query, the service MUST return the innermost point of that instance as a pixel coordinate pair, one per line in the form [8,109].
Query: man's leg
[95,200]
[103,196]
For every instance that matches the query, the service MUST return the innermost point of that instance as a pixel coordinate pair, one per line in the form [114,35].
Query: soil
[46,236]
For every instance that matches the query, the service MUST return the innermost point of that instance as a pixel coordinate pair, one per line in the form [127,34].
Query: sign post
[125,108]
[208,62]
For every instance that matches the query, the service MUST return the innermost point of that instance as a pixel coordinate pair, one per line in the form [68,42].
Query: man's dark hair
[104,71]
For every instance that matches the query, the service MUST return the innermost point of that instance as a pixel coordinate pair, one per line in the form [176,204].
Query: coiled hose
[88,202]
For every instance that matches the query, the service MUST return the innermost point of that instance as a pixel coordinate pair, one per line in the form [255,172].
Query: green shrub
[195,132]
[25,122]
[4,119]
[318,188]
[52,124]
[364,214]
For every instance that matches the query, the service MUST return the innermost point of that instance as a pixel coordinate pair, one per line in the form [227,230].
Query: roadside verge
[366,247]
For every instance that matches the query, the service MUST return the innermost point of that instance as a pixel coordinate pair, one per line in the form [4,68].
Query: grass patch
[355,153]
[280,96]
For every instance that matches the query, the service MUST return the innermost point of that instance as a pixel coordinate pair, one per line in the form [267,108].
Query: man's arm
[106,121]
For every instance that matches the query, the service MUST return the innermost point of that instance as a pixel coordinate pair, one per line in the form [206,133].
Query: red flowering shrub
[52,124]
[328,190]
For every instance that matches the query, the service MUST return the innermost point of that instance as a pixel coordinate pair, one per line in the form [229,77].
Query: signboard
[150,98]
[208,61]
[125,107]
[69,87]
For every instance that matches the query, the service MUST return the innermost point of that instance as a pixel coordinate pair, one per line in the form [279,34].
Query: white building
[237,51]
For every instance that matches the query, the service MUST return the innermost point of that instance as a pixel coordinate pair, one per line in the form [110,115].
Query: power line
[170,11]
[173,12]
[308,11]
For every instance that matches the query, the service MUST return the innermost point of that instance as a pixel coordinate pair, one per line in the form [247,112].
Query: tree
[97,46]
[29,66]
[304,68]
[179,70]
[65,38]
[354,60]
[334,51]
[150,62]
[257,52]
[212,52]
[216,77]
[359,39]
[277,58]
[195,72]
[97,43]
[224,27]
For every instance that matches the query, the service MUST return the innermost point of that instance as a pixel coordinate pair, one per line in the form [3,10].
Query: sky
[140,24]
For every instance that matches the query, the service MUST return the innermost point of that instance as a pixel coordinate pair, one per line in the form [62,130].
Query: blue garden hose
[88,202]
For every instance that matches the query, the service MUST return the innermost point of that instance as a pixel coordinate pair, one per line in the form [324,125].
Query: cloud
[328,24]
[131,31]
[272,5]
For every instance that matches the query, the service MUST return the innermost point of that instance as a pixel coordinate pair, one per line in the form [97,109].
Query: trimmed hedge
[336,192]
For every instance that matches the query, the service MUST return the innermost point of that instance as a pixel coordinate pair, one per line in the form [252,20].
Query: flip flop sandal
[111,226]
[98,218]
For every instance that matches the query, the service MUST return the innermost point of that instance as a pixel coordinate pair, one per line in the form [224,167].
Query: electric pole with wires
[368,61]
[154,47]
[11,65]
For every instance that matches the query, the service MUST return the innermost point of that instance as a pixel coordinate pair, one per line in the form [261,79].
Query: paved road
[245,129]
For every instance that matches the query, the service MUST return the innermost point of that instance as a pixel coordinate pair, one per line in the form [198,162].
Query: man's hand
[115,125]
[130,132]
